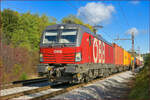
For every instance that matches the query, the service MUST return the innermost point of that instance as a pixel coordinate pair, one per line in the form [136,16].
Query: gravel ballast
[114,87]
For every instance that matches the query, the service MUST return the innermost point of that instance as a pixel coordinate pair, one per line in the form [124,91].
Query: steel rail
[27,92]
[23,83]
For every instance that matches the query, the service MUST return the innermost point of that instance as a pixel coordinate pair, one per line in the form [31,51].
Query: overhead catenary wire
[122,11]
[124,15]
[118,24]
[14,7]
[108,35]
[74,7]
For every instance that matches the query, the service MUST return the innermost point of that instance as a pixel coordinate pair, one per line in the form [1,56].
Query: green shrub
[23,76]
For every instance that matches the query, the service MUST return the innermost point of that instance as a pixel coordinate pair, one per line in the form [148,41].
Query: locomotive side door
[90,49]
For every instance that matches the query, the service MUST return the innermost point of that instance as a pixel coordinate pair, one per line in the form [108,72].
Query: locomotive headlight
[78,57]
[41,57]
[61,27]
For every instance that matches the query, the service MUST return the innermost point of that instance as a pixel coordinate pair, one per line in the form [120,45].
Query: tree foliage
[10,20]
[71,19]
[24,29]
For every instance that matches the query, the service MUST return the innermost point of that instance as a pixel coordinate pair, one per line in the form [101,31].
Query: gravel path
[31,96]
[21,89]
[113,87]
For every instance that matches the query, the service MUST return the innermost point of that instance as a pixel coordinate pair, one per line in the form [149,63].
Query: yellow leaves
[71,19]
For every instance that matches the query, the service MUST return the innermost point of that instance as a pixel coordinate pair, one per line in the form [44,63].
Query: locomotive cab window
[50,36]
[60,36]
[68,36]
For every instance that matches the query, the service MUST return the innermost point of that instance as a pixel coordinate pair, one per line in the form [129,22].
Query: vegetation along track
[51,91]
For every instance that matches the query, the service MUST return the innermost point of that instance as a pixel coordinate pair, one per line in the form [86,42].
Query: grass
[141,88]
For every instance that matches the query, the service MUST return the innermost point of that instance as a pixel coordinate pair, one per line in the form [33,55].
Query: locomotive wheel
[106,73]
[86,78]
[49,74]
[82,78]
[58,73]
[90,74]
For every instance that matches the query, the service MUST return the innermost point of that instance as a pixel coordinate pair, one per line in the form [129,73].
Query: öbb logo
[57,51]
[98,51]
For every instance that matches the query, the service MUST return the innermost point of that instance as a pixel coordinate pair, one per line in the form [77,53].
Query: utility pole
[132,39]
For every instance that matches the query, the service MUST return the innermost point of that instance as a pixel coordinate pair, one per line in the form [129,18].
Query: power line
[116,20]
[14,7]
[108,35]
[117,23]
[121,9]
[73,6]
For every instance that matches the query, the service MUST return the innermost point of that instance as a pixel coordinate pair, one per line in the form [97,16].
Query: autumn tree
[24,29]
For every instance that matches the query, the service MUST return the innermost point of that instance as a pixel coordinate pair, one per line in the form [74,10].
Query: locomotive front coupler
[54,71]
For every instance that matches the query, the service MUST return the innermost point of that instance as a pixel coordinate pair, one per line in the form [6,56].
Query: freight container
[137,62]
[129,59]
[118,54]
[132,60]
[108,53]
[121,56]
[125,58]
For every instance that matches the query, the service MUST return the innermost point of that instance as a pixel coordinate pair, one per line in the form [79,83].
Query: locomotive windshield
[68,36]
[50,36]
[60,36]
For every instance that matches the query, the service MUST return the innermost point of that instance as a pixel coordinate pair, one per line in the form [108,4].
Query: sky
[118,18]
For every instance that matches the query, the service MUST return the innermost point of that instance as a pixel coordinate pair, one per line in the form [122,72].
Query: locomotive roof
[76,26]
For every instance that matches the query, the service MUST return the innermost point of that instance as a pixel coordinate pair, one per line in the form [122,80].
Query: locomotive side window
[68,36]
[89,40]
[50,36]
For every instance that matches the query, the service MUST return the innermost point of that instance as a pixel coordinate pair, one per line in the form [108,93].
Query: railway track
[27,92]
[30,81]
[48,91]
[22,83]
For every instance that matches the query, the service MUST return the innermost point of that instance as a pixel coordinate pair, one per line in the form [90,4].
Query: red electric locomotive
[72,53]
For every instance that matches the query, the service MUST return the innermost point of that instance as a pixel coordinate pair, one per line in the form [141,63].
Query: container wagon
[118,57]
